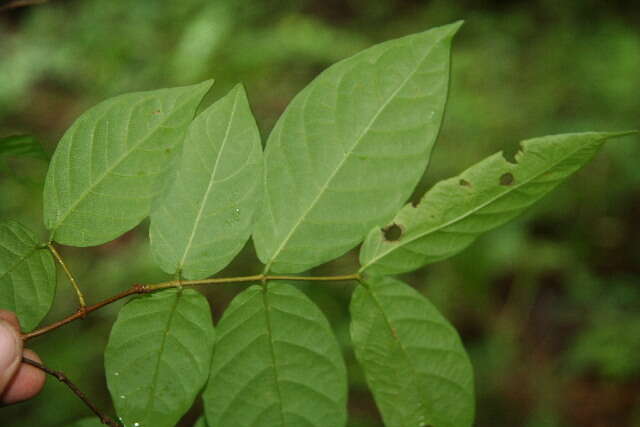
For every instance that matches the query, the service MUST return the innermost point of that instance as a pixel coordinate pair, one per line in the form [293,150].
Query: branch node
[142,289]
[82,311]
[139,288]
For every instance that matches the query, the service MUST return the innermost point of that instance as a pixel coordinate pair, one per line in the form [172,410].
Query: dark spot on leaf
[156,112]
[167,150]
[465,183]
[415,203]
[392,233]
[507,179]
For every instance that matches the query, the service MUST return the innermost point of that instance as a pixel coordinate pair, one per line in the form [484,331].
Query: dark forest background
[548,306]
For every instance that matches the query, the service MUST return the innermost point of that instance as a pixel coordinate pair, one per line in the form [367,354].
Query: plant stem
[245,279]
[135,289]
[20,3]
[70,276]
[60,376]
[145,289]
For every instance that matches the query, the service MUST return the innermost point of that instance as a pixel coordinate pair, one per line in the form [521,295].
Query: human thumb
[10,353]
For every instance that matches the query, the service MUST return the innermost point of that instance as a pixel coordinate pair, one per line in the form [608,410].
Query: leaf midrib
[156,370]
[212,180]
[21,259]
[265,300]
[110,169]
[415,375]
[508,190]
[322,190]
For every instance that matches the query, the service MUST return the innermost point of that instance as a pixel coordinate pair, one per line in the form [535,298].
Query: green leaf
[277,363]
[412,357]
[111,162]
[456,211]
[207,216]
[350,148]
[22,146]
[158,356]
[27,275]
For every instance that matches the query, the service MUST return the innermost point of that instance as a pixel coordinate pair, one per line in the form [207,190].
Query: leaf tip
[208,83]
[238,89]
[622,133]
[204,86]
[452,29]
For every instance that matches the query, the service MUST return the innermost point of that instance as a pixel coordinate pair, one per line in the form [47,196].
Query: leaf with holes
[207,216]
[456,211]
[276,363]
[412,357]
[158,356]
[111,163]
[27,275]
[350,148]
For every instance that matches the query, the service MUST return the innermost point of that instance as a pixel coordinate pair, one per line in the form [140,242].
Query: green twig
[72,279]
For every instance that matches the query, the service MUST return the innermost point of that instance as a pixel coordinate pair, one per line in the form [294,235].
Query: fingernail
[10,348]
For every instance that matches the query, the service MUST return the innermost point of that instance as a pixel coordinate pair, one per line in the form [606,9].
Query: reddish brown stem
[82,312]
[145,289]
[60,376]
[20,3]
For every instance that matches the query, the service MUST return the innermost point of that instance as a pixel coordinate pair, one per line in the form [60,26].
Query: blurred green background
[548,306]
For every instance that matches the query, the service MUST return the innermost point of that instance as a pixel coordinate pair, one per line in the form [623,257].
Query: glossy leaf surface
[350,148]
[111,163]
[456,211]
[27,275]
[276,363]
[412,357]
[158,356]
[207,215]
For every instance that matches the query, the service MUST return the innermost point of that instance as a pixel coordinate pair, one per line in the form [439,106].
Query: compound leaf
[27,275]
[111,162]
[456,211]
[277,363]
[412,357]
[207,215]
[158,356]
[350,148]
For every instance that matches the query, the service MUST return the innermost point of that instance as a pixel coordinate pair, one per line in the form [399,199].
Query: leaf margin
[371,256]
[359,335]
